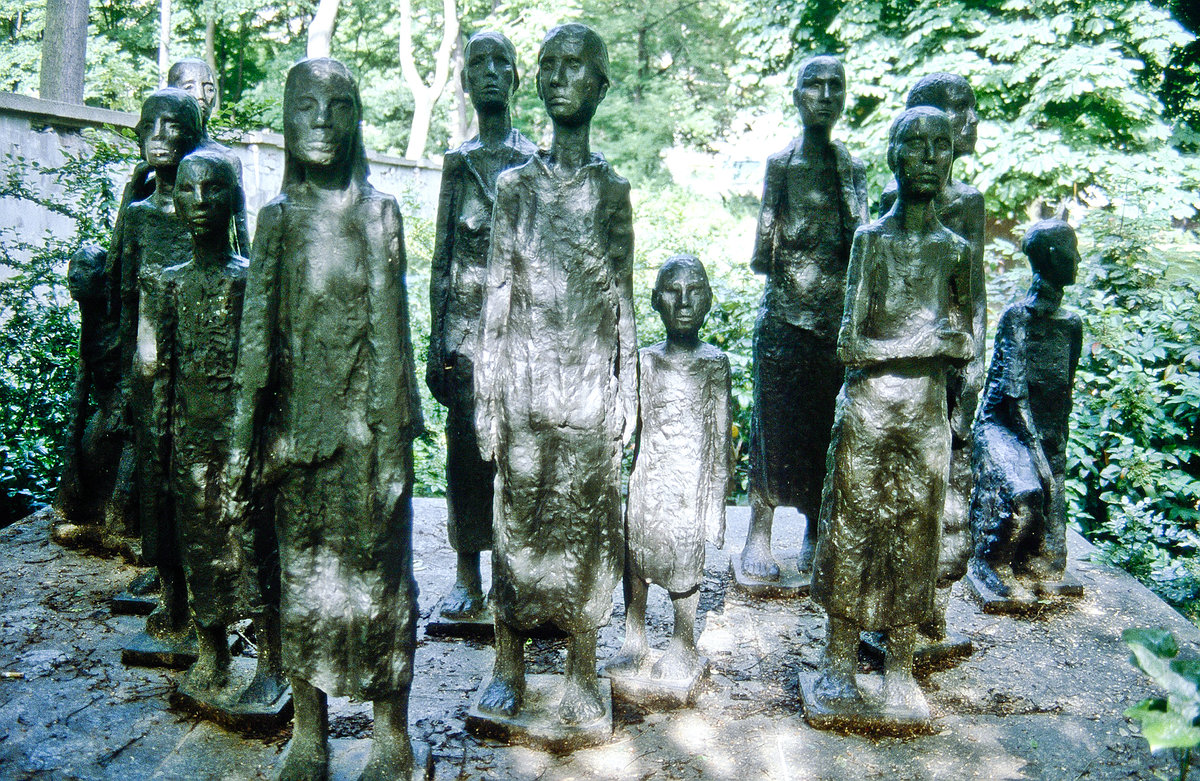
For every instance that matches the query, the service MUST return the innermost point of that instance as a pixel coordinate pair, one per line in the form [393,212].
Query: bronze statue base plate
[537,723]
[479,627]
[640,689]
[346,765]
[222,706]
[871,717]
[127,604]
[142,650]
[929,654]
[791,583]
[1034,597]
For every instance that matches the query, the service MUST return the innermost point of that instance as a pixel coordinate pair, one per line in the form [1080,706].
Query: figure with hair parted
[814,197]
[456,289]
[326,412]
[1018,509]
[960,208]
[556,387]
[153,238]
[907,318]
[677,490]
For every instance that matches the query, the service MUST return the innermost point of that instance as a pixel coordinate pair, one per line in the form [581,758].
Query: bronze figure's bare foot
[902,694]
[463,603]
[678,663]
[580,703]
[837,691]
[758,562]
[501,698]
[305,762]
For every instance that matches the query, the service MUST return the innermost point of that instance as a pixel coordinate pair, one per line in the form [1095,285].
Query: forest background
[1091,106]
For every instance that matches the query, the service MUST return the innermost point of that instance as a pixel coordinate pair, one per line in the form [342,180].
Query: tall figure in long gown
[814,197]
[457,277]
[960,208]
[557,382]
[327,409]
[907,318]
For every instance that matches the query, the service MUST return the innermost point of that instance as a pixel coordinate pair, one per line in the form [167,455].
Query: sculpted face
[320,118]
[964,122]
[682,299]
[195,79]
[569,82]
[204,195]
[1058,263]
[164,134]
[820,93]
[491,74]
[921,154]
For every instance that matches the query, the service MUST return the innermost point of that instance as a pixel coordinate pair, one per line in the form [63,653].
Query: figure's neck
[1044,295]
[916,215]
[334,177]
[494,126]
[682,343]
[571,149]
[164,183]
[815,139]
[211,251]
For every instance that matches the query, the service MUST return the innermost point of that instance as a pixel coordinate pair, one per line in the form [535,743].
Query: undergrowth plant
[1171,722]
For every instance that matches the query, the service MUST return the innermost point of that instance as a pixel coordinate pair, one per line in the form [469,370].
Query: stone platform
[1040,698]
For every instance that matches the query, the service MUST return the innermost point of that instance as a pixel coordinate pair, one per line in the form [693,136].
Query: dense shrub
[39,329]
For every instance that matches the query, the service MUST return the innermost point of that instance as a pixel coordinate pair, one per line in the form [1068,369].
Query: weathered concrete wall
[46,131]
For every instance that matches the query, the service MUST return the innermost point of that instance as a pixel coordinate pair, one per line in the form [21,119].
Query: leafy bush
[1172,722]
[40,329]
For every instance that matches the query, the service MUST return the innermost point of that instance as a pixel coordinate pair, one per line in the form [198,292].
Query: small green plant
[1172,722]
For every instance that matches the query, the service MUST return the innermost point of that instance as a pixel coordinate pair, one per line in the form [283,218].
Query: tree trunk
[210,52]
[464,126]
[164,41]
[425,96]
[64,51]
[320,32]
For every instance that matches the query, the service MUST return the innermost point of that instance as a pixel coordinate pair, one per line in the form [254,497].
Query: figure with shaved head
[814,198]
[458,271]
[907,319]
[1018,509]
[196,78]
[150,238]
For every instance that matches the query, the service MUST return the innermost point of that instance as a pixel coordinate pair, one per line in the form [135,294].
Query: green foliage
[1067,90]
[1174,721]
[1133,461]
[39,337]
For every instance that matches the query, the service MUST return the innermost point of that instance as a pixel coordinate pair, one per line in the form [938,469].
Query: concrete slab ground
[1041,697]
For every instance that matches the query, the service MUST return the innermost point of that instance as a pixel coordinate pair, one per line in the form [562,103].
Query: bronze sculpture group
[271,405]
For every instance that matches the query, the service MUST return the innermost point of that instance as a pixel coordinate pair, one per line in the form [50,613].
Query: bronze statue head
[194,77]
[952,94]
[682,295]
[572,75]
[920,151]
[85,273]
[1053,252]
[490,76]
[207,194]
[170,127]
[820,93]
[322,120]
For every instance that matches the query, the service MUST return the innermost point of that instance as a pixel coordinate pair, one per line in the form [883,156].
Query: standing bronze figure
[456,290]
[325,417]
[907,317]
[197,348]
[556,383]
[678,486]
[960,208]
[197,79]
[814,198]
[1018,510]
[152,238]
